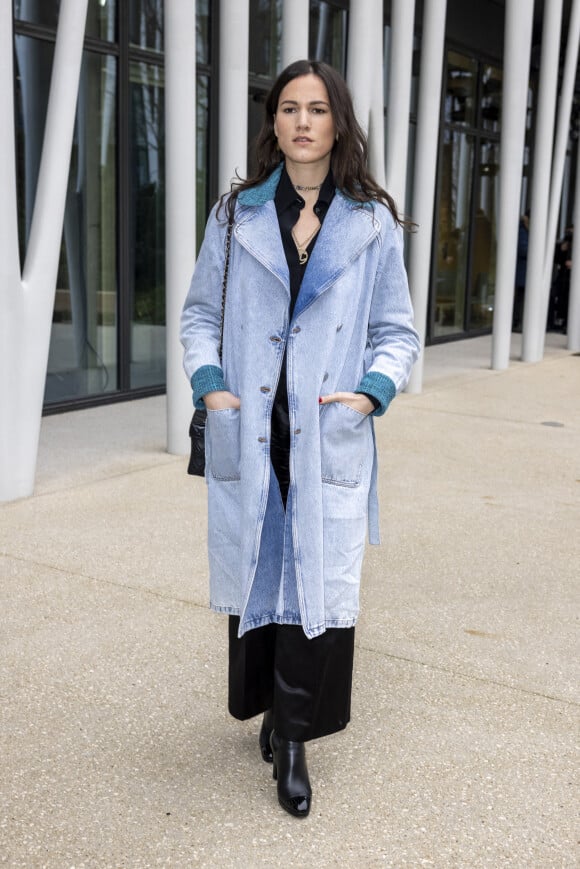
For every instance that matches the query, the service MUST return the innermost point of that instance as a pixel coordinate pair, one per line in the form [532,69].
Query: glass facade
[83,347]
[108,330]
[455,173]
[146,24]
[101,15]
[265,35]
[147,230]
[264,51]
[327,34]
[464,262]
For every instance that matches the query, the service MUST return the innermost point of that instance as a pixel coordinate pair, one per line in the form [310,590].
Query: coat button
[295,330]
[262,440]
[325,376]
[265,389]
[275,339]
[339,327]
[297,430]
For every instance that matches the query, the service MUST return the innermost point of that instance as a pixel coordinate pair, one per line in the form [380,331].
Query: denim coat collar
[333,253]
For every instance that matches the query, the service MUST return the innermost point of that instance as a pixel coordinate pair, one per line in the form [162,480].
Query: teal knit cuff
[208,378]
[380,387]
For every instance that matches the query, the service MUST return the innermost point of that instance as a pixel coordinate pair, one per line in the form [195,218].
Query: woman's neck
[307,177]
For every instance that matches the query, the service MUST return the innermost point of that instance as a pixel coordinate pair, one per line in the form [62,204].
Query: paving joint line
[470,676]
[98,579]
[191,603]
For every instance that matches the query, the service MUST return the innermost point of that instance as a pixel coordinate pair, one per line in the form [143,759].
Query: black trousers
[306,682]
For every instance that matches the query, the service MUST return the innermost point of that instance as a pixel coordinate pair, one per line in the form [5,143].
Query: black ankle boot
[265,733]
[291,773]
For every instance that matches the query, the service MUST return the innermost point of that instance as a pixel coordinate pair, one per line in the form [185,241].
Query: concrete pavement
[116,748]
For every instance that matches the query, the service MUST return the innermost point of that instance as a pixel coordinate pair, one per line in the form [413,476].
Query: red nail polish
[319,400]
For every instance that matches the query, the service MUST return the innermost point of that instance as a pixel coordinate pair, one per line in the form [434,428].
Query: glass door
[465,242]
[456,171]
[484,237]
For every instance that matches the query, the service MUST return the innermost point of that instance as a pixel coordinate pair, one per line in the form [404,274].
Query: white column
[517,49]
[377,115]
[432,48]
[399,98]
[365,76]
[180,162]
[574,303]
[534,324]
[295,25]
[359,69]
[27,304]
[233,91]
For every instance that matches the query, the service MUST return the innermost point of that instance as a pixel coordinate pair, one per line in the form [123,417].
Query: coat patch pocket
[223,435]
[344,434]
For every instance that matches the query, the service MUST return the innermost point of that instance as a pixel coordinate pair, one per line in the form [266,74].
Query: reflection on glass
[202,32]
[256,100]
[83,345]
[147,160]
[101,15]
[491,96]
[42,12]
[33,70]
[202,156]
[102,19]
[265,34]
[483,260]
[146,24]
[327,35]
[460,89]
[456,171]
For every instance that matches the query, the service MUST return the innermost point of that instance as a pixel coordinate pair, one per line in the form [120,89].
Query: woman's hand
[221,399]
[356,400]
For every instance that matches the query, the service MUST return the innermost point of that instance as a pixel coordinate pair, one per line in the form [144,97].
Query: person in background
[521,265]
[560,291]
[318,339]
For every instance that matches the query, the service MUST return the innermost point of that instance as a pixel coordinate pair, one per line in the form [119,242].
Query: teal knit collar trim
[263,192]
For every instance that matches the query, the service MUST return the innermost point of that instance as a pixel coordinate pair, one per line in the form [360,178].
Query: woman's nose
[302,119]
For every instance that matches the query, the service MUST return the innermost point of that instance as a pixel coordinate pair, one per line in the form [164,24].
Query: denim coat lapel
[336,249]
[258,231]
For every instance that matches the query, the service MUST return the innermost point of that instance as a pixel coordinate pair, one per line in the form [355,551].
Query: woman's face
[303,122]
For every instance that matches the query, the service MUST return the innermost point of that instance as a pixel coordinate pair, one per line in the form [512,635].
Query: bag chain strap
[225,283]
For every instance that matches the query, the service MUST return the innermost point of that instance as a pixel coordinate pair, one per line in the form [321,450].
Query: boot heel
[264,737]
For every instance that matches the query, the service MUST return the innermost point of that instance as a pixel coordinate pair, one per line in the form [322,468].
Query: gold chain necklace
[301,247]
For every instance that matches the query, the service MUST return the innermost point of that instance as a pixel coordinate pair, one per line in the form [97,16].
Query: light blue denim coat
[352,330]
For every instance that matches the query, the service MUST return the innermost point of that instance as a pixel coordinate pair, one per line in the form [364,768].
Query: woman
[317,340]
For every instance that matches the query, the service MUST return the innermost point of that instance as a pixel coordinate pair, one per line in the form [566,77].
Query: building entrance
[464,263]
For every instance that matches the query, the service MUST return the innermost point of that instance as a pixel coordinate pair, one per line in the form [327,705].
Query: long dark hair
[349,156]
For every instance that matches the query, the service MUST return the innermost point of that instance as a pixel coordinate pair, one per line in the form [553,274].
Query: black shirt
[289,204]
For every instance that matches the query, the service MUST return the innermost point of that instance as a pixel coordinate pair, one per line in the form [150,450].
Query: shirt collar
[287,195]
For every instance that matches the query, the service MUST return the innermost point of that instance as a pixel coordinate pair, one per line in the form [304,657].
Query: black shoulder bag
[196,466]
